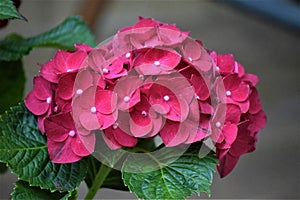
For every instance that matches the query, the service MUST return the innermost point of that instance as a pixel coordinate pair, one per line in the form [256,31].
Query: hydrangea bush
[150,110]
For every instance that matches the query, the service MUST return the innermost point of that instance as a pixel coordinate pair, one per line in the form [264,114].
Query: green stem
[98,181]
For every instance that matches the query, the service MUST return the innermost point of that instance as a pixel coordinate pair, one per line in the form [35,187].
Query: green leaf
[8,10]
[113,180]
[72,31]
[23,190]
[175,179]
[12,81]
[3,168]
[24,149]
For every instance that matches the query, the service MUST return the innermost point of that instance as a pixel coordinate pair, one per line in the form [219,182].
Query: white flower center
[72,133]
[93,109]
[79,91]
[69,70]
[218,68]
[157,63]
[126,99]
[105,70]
[141,76]
[166,98]
[144,113]
[218,124]
[55,109]
[48,100]
[115,125]
[228,93]
[128,55]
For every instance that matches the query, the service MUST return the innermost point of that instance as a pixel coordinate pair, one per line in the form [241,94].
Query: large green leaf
[12,81]
[176,179]
[8,10]
[24,149]
[73,30]
[23,191]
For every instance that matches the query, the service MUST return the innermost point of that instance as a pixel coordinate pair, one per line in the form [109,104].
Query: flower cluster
[151,80]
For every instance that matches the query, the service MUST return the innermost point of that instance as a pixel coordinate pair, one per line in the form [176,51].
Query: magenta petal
[123,138]
[227,163]
[138,130]
[233,113]
[226,63]
[109,139]
[231,82]
[255,104]
[106,101]
[61,152]
[230,132]
[54,131]
[252,79]
[179,109]
[106,121]
[83,145]
[75,60]
[241,93]
[60,61]
[42,88]
[200,87]
[35,105]
[172,134]
[49,72]
[65,86]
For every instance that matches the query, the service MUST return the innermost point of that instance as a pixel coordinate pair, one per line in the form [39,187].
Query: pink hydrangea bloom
[150,80]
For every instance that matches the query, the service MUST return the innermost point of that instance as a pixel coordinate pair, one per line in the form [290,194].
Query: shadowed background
[266,48]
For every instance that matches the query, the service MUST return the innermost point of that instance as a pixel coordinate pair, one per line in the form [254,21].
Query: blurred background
[264,35]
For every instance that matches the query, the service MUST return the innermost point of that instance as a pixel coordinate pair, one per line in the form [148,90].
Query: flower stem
[98,181]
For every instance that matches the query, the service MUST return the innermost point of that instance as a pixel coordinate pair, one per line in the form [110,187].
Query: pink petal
[241,93]
[139,130]
[110,140]
[42,88]
[106,121]
[128,87]
[85,79]
[191,49]
[35,105]
[83,47]
[233,113]
[251,79]
[55,131]
[83,145]
[49,71]
[75,60]
[122,137]
[65,86]
[231,82]
[179,109]
[172,134]
[200,86]
[230,132]
[61,152]
[226,63]
[89,120]
[106,101]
